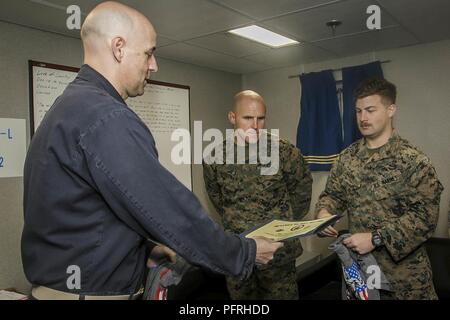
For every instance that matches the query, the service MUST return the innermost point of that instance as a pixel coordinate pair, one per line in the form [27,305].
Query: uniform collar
[387,150]
[89,74]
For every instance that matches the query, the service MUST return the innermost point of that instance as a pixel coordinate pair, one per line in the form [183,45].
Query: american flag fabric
[356,287]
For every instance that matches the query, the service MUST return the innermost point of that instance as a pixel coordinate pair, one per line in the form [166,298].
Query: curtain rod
[334,70]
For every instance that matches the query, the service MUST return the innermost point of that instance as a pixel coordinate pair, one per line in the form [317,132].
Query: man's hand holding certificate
[279,230]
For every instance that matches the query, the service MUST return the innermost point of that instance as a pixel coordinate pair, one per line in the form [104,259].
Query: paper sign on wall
[12,147]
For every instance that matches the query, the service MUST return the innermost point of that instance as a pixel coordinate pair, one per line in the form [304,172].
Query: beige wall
[422,76]
[211,92]
[17,46]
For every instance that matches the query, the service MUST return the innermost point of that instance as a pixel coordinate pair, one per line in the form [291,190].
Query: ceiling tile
[292,55]
[428,20]
[162,41]
[191,54]
[182,20]
[243,66]
[369,41]
[311,25]
[265,9]
[229,44]
[37,15]
[202,24]
[85,5]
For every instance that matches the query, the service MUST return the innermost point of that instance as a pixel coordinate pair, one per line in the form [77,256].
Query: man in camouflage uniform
[391,193]
[245,198]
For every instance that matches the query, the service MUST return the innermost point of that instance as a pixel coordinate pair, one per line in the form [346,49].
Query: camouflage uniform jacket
[396,192]
[244,198]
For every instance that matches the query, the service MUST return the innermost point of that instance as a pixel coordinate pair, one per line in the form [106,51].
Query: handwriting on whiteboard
[48,85]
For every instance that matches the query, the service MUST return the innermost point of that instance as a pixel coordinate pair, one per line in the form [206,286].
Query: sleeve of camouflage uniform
[212,187]
[333,197]
[403,235]
[299,182]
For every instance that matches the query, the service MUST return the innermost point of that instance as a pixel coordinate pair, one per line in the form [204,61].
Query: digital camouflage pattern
[245,199]
[276,283]
[396,192]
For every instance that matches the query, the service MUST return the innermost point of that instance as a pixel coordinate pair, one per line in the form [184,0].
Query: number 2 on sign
[1,161]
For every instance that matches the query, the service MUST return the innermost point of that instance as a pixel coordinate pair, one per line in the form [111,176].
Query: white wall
[211,92]
[422,76]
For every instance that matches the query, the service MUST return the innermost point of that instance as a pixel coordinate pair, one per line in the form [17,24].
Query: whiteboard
[163,107]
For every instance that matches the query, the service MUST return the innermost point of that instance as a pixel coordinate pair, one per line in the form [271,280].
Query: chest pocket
[390,187]
[271,183]
[393,196]
[248,180]
[352,185]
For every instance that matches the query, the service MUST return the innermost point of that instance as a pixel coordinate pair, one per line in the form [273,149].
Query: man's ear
[392,109]
[117,47]
[232,117]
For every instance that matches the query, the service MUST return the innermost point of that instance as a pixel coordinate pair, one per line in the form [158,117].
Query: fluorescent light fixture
[263,36]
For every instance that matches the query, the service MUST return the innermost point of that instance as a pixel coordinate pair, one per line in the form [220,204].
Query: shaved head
[119,43]
[244,96]
[108,20]
[103,23]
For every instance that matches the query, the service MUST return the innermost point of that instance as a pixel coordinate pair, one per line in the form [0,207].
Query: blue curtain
[319,133]
[351,77]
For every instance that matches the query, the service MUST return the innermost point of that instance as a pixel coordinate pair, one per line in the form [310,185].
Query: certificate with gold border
[279,230]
